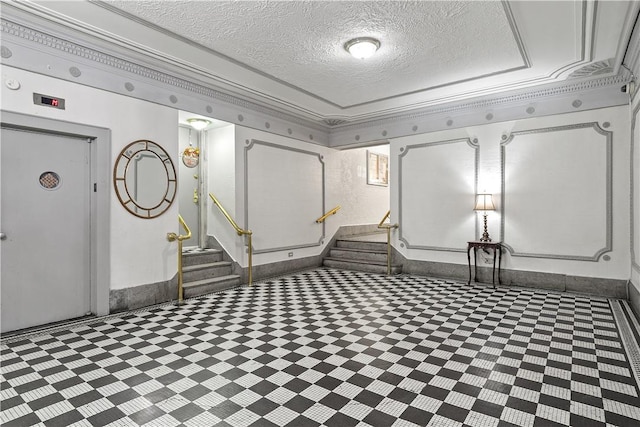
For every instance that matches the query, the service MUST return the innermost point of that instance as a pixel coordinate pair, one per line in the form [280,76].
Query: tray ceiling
[424,44]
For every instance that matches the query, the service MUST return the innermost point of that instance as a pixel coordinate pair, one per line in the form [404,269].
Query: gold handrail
[172,237]
[240,232]
[328,214]
[388,227]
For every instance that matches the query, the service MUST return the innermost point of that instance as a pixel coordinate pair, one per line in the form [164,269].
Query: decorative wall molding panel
[436,186]
[284,195]
[539,168]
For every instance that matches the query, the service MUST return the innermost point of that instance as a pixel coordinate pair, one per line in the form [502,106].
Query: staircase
[362,253]
[204,271]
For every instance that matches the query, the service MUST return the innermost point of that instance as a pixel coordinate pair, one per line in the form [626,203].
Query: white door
[45,221]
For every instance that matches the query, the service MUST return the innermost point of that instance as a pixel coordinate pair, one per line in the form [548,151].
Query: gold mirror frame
[127,174]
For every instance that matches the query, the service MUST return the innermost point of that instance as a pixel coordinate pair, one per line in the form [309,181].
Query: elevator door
[45,225]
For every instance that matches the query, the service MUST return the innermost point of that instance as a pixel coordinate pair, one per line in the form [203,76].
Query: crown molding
[567,97]
[631,59]
[14,29]
[548,91]
[23,47]
[174,86]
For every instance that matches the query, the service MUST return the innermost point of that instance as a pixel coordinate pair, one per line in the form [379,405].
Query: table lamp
[484,203]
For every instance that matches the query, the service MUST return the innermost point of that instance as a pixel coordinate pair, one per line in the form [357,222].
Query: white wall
[635,196]
[434,182]
[220,154]
[345,185]
[275,213]
[284,195]
[565,161]
[140,252]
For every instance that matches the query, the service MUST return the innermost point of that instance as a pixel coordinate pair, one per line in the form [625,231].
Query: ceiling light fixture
[198,124]
[362,47]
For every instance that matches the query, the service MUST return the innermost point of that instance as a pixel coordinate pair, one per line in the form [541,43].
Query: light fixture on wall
[198,124]
[484,203]
[362,47]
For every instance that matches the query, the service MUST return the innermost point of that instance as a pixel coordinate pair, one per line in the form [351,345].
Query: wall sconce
[198,124]
[484,203]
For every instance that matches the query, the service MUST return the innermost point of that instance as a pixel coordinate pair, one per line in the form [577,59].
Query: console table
[496,247]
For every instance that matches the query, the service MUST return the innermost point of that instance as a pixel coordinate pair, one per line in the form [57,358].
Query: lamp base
[485,236]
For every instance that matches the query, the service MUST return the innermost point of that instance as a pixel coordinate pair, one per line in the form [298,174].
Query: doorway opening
[197,135]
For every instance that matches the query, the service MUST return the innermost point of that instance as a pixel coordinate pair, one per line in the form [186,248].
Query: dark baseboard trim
[594,286]
[162,292]
[142,296]
[282,268]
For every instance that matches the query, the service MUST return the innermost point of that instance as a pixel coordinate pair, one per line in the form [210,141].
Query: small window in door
[49,180]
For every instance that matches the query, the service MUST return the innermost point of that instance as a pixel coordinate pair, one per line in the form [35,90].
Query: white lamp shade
[484,202]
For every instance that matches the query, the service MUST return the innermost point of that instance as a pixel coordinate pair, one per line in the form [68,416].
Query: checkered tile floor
[331,348]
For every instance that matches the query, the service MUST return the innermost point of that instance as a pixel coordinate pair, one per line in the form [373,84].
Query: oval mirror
[145,179]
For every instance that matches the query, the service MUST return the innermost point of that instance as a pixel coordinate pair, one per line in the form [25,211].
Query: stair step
[207,286]
[367,252]
[194,273]
[355,244]
[201,256]
[368,266]
[358,254]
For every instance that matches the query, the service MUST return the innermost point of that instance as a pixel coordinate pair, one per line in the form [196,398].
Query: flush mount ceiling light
[362,47]
[198,124]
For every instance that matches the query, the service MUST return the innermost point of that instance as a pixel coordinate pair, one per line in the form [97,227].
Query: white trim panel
[540,167]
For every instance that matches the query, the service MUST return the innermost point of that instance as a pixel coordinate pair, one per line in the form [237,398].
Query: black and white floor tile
[331,348]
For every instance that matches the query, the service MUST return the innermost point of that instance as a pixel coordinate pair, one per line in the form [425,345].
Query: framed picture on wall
[377,169]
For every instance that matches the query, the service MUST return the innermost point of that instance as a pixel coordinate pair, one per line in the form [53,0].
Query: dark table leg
[493,277]
[475,264]
[499,248]
[469,261]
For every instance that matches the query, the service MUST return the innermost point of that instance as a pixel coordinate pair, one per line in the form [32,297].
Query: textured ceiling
[289,55]
[424,44]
